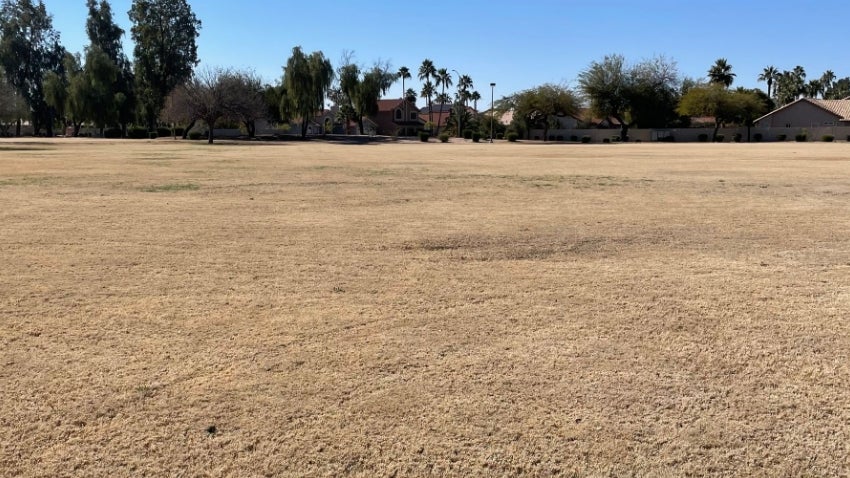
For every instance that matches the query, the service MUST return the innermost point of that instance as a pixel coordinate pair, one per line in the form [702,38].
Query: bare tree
[245,99]
[207,96]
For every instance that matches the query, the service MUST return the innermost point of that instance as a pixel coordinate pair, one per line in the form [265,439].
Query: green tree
[166,53]
[709,100]
[12,106]
[306,80]
[101,74]
[840,89]
[361,90]
[29,48]
[769,75]
[741,106]
[427,72]
[538,107]
[106,35]
[644,94]
[721,73]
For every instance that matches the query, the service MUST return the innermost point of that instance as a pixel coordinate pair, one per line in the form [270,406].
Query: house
[397,118]
[808,113]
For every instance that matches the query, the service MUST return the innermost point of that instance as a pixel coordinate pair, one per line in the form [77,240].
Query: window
[398,114]
[412,116]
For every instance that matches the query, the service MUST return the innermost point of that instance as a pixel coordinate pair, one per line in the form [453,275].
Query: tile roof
[839,107]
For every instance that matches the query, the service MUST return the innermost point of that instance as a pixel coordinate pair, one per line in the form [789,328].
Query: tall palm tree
[428,91]
[475,96]
[404,73]
[769,74]
[444,79]
[721,72]
[814,88]
[427,71]
[828,82]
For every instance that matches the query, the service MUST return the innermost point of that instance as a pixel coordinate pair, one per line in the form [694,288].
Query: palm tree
[444,79]
[475,97]
[410,95]
[814,88]
[428,90]
[426,72]
[827,81]
[404,73]
[721,72]
[769,74]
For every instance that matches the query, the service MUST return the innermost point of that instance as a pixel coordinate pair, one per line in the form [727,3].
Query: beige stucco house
[808,113]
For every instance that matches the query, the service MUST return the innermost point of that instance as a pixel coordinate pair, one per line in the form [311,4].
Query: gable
[801,113]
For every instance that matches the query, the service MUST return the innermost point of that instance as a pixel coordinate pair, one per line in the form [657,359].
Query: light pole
[492,112]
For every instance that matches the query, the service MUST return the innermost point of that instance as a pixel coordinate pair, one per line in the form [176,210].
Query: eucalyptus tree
[427,73]
[306,79]
[721,73]
[769,75]
[165,53]
[29,48]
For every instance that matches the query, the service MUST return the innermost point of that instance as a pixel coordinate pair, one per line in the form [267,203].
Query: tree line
[42,82]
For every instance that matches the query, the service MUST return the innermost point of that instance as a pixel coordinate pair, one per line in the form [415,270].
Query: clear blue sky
[516,44]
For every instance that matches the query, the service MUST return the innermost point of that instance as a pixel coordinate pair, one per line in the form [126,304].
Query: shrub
[559,137]
[467,134]
[500,136]
[195,135]
[163,132]
[573,138]
[737,137]
[137,133]
[615,139]
[702,138]
[827,138]
[112,133]
[179,132]
[719,138]
[512,137]
[585,139]
[444,137]
[782,137]
[476,136]
[757,137]
[153,135]
[423,136]
[606,140]
[551,137]
[801,138]
[848,138]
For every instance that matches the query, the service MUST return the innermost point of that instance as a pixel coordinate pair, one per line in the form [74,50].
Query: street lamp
[492,112]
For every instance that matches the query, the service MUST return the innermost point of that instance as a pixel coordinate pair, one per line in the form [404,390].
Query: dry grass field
[169,308]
